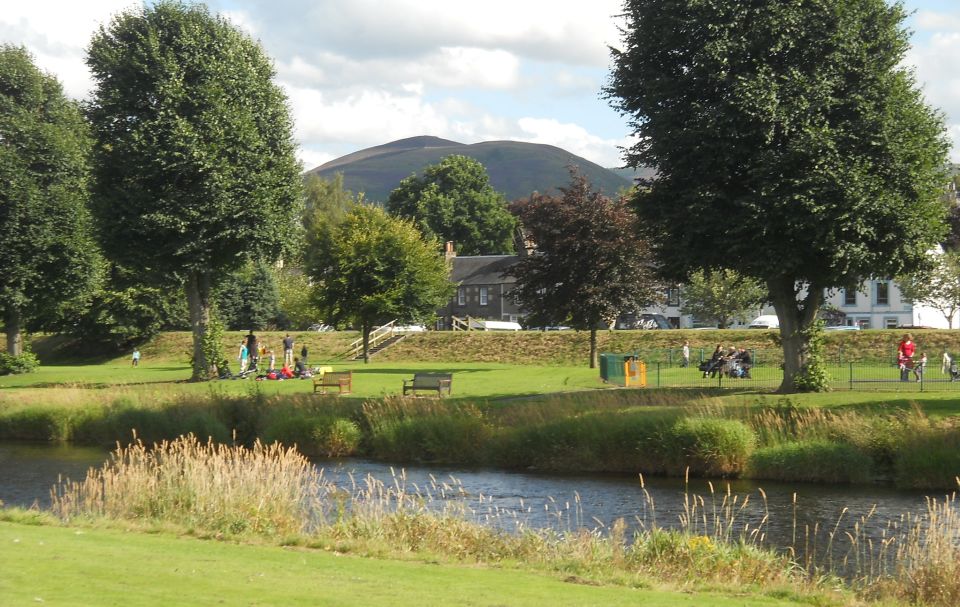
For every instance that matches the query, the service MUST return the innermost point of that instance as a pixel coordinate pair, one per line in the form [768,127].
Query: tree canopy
[50,259]
[195,164]
[375,268]
[721,296]
[790,145]
[588,265]
[454,201]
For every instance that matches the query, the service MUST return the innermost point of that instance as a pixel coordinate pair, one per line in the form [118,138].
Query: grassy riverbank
[98,566]
[206,491]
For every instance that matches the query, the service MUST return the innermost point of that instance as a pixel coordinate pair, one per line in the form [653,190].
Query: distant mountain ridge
[516,168]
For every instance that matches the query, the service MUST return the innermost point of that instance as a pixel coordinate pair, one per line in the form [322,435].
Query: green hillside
[515,168]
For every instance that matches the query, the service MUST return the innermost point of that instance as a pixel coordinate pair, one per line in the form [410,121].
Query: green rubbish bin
[611,368]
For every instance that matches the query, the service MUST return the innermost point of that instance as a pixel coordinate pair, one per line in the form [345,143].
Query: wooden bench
[434,382]
[342,380]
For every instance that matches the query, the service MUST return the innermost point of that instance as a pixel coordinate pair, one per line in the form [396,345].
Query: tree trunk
[12,323]
[198,301]
[593,347]
[795,316]
[366,343]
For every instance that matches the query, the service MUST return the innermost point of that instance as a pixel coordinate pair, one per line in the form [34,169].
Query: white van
[766,321]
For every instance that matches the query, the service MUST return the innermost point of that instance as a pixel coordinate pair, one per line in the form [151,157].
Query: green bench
[430,382]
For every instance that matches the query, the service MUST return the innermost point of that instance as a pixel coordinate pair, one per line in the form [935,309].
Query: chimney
[448,252]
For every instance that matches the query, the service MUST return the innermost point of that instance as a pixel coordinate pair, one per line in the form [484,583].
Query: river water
[786,515]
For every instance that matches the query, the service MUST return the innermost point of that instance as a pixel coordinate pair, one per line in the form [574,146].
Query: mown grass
[106,566]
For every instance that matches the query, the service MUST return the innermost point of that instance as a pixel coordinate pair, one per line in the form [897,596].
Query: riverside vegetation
[271,494]
[655,432]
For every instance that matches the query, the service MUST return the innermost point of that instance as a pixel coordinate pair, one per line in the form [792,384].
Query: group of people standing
[252,352]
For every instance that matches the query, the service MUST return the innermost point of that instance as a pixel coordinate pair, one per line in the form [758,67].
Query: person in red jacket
[905,351]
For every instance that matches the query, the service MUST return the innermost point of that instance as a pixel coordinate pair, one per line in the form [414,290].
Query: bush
[929,459]
[816,460]
[709,446]
[339,438]
[14,365]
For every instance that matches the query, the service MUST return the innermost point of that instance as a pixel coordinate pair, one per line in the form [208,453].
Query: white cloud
[937,73]
[937,22]
[573,138]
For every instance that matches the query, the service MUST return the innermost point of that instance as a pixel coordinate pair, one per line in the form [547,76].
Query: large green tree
[721,296]
[249,298]
[375,268]
[588,265]
[790,143]
[49,258]
[195,160]
[454,201]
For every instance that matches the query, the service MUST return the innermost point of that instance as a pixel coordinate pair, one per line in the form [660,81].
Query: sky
[360,73]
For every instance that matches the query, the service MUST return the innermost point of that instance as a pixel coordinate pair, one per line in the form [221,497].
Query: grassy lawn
[72,566]
[470,380]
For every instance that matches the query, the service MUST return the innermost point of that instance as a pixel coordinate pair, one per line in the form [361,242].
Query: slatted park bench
[341,380]
[430,382]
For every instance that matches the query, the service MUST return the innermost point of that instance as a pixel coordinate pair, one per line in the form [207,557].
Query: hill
[516,168]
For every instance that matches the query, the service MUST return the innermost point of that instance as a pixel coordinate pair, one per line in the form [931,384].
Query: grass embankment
[538,348]
[219,492]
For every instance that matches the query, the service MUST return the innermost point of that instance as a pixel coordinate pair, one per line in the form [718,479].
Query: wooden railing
[460,324]
[378,335]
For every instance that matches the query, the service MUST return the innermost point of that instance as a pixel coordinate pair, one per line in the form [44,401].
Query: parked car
[642,321]
[765,321]
[409,329]
[322,328]
[842,328]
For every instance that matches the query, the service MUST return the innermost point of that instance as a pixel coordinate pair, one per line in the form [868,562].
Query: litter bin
[634,373]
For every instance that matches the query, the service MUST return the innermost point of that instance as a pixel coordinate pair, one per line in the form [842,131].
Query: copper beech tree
[587,266]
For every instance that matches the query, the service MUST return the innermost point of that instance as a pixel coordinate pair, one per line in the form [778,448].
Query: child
[136,358]
[920,365]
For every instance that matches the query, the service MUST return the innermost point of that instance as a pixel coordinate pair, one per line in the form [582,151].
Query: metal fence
[769,375]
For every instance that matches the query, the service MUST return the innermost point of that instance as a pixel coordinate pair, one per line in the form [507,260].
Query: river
[785,514]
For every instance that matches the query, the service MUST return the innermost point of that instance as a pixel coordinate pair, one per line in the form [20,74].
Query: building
[483,289]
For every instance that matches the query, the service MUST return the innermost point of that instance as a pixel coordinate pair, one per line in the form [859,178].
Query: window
[849,297]
[883,293]
[461,296]
[483,296]
[890,323]
[673,296]
[863,323]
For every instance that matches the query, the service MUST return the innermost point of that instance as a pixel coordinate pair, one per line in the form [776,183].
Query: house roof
[482,269]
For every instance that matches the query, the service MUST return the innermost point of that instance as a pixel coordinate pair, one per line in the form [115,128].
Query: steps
[382,345]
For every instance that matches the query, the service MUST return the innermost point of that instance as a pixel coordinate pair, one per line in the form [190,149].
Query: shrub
[929,459]
[14,365]
[338,438]
[709,446]
[816,460]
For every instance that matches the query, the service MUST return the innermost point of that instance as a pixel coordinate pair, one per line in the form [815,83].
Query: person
[273,362]
[716,359]
[287,350]
[303,353]
[242,356]
[686,354]
[299,368]
[285,373]
[746,361]
[920,366]
[945,363]
[136,357]
[252,348]
[905,350]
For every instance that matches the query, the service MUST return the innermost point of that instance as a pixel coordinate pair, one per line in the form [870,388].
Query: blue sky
[360,73]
